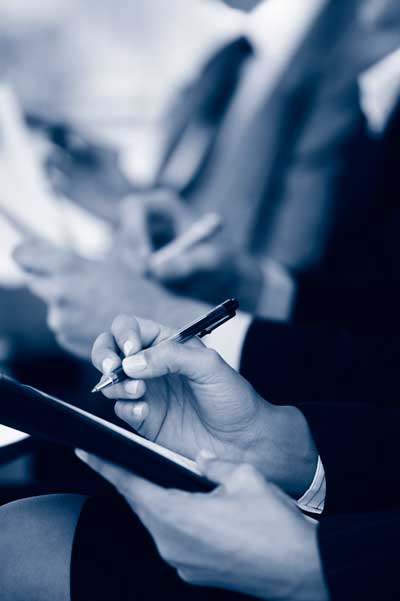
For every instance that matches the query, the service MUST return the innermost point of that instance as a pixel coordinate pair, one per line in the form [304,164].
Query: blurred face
[244,5]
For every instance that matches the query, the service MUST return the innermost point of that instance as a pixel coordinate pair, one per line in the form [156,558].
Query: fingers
[132,334]
[129,335]
[40,257]
[242,479]
[192,359]
[202,258]
[133,414]
[105,355]
[126,333]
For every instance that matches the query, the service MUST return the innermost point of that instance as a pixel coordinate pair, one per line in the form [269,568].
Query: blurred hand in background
[83,296]
[209,270]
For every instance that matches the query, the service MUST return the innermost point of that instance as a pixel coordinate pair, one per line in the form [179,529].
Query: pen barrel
[201,231]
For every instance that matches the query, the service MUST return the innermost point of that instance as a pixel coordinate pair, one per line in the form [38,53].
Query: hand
[150,220]
[84,296]
[247,536]
[209,271]
[190,399]
[212,270]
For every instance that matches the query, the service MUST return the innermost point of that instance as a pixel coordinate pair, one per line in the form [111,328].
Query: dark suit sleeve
[359,447]
[290,364]
[360,556]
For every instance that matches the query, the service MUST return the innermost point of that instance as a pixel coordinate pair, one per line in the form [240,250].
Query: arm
[293,364]
[359,447]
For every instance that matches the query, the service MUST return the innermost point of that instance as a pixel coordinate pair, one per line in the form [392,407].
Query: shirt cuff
[313,499]
[278,293]
[228,340]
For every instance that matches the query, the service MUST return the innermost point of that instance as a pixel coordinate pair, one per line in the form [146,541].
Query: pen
[200,327]
[200,231]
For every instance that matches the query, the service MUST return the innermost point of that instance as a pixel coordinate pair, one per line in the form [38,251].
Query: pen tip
[104,383]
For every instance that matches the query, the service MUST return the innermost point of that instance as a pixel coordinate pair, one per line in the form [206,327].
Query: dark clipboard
[43,416]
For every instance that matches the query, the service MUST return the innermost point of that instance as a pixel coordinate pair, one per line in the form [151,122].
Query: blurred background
[108,68]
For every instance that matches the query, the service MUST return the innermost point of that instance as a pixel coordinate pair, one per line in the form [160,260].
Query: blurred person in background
[69,62]
[277,159]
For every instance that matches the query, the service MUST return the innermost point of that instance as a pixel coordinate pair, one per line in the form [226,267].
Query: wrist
[283,448]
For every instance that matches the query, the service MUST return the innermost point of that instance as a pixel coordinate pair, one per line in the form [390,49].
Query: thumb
[236,478]
[214,469]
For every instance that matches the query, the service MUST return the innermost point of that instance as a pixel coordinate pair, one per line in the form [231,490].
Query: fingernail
[109,364]
[136,362]
[129,348]
[140,410]
[132,386]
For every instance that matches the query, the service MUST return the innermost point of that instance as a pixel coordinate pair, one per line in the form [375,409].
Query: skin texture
[185,397]
[241,537]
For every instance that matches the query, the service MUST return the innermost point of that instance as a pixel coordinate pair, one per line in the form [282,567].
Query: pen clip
[216,325]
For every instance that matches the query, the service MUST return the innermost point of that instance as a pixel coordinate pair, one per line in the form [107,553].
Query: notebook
[46,417]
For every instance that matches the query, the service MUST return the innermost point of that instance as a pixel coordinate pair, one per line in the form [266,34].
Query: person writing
[248,536]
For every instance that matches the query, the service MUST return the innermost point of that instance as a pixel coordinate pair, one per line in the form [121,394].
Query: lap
[115,558]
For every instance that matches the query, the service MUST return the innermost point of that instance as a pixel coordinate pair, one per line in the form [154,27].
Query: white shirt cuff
[228,340]
[313,499]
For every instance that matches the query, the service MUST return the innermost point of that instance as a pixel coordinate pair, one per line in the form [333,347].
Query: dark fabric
[115,559]
[360,287]
[359,448]
[345,340]
[360,556]
[290,364]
